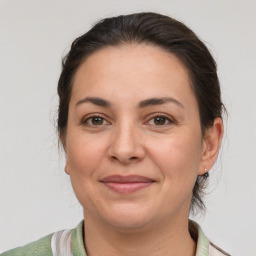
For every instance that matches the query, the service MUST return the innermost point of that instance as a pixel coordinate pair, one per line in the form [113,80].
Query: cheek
[177,159]
[84,154]
[182,151]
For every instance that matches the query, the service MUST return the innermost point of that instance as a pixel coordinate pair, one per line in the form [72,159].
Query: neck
[167,238]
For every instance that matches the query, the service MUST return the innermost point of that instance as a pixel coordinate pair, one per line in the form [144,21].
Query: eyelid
[85,119]
[148,118]
[167,117]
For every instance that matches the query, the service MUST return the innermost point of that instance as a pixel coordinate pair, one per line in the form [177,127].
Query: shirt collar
[202,248]
[78,240]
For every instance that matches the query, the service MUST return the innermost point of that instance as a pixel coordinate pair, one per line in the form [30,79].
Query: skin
[128,139]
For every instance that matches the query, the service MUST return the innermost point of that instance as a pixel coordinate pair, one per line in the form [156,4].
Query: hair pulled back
[161,31]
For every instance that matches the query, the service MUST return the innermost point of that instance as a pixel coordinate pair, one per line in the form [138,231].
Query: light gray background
[36,197]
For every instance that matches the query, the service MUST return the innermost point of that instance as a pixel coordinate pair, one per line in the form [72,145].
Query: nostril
[124,160]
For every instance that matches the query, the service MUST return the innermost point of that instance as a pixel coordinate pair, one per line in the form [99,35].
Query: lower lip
[127,188]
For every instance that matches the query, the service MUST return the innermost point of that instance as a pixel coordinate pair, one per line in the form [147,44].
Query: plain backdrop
[36,196]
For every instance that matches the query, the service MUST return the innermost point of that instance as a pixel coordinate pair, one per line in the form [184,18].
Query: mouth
[126,184]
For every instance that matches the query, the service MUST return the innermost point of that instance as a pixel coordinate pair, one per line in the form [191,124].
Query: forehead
[134,69]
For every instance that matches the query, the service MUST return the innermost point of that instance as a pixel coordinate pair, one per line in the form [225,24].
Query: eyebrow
[145,103]
[159,101]
[96,101]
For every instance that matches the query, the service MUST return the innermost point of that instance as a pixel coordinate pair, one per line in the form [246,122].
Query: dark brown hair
[161,31]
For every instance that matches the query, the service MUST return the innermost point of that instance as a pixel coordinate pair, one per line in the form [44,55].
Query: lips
[126,184]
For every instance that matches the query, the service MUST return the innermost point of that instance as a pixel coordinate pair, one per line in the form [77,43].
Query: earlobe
[62,140]
[212,142]
[67,168]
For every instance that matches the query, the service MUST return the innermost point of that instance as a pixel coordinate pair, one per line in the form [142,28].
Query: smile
[126,184]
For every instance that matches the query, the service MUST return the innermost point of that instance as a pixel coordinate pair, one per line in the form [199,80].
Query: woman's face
[133,143]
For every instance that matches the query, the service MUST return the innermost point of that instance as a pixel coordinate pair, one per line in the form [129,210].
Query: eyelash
[85,120]
[165,117]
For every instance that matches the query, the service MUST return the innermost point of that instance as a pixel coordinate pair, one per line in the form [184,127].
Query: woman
[140,121]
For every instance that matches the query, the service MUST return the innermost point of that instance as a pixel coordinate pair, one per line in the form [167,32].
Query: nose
[126,145]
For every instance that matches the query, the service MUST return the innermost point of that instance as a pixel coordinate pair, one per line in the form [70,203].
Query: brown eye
[94,121]
[97,120]
[159,120]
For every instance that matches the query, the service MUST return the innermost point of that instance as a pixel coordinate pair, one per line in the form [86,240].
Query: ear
[211,145]
[67,168]
[63,142]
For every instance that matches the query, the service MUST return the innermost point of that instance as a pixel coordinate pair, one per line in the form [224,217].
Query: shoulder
[58,243]
[41,247]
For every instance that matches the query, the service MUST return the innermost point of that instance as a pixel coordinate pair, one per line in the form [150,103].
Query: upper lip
[126,179]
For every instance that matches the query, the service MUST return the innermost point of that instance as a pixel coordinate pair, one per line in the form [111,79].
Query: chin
[129,225]
[129,219]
